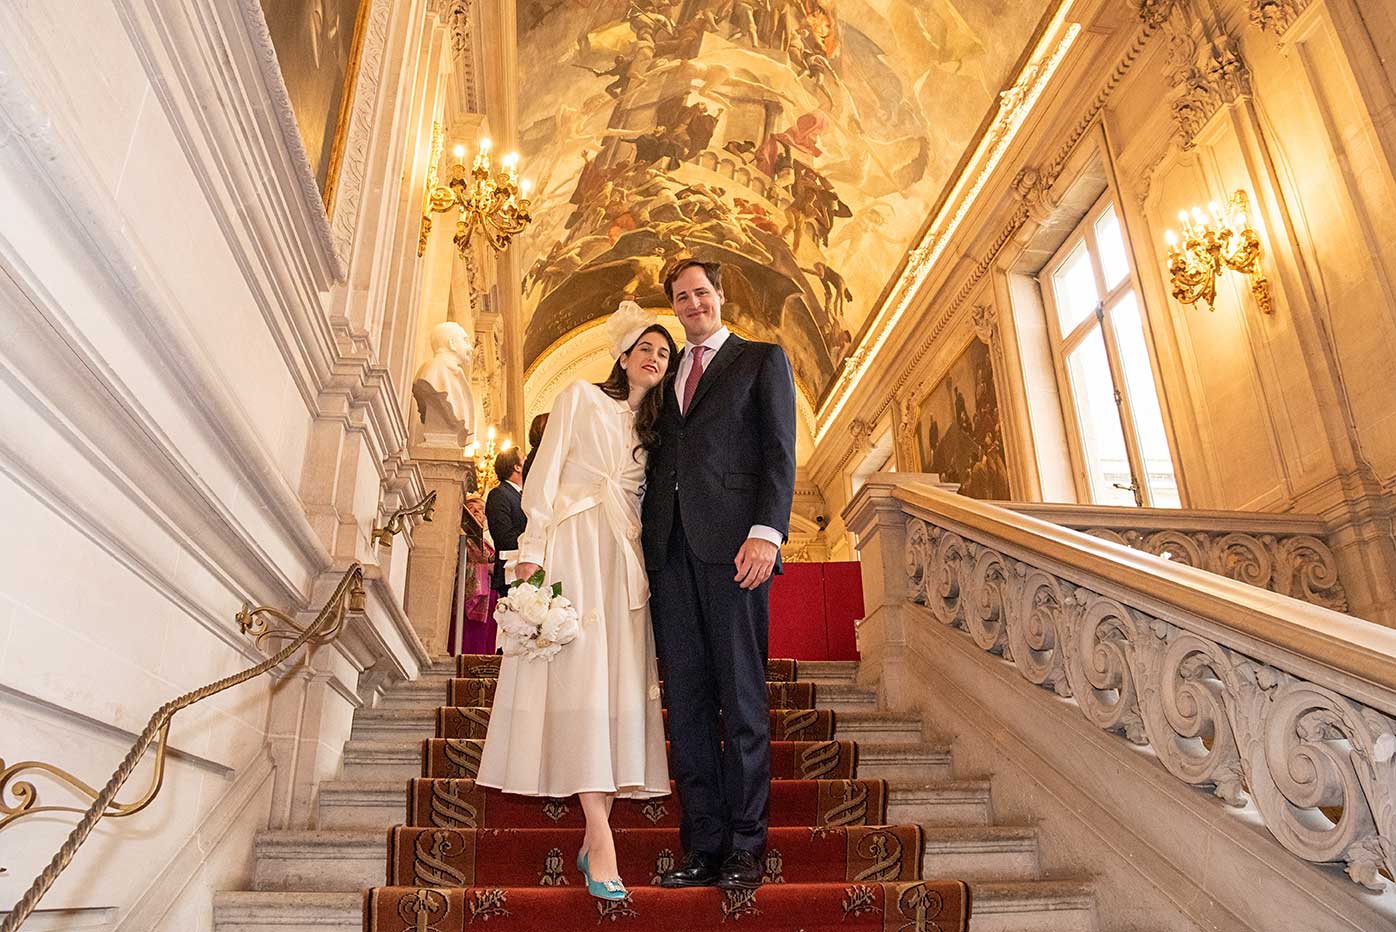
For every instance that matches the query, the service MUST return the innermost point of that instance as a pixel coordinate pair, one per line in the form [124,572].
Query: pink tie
[690,384]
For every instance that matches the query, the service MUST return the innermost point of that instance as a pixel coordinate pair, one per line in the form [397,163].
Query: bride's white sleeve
[540,490]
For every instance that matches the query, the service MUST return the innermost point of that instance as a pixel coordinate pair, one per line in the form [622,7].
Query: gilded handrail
[384,535]
[348,597]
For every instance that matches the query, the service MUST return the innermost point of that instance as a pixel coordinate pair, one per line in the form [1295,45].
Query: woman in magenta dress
[476,625]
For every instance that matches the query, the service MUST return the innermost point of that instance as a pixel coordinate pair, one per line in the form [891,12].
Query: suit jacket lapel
[730,351]
[671,388]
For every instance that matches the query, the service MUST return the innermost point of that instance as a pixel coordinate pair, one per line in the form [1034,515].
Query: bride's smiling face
[647,361]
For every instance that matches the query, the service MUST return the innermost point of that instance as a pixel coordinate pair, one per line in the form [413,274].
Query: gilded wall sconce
[1211,243]
[491,201]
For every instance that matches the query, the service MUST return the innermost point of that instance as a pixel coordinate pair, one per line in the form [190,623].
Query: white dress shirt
[713,344]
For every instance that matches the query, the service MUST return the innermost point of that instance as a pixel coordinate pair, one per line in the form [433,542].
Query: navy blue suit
[725,465]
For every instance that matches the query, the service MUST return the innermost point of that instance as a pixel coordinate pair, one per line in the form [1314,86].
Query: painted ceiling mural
[800,142]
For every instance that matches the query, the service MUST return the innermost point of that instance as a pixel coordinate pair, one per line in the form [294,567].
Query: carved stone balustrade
[1284,553]
[1283,709]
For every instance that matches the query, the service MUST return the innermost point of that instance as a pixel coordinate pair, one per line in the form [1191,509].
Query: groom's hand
[755,561]
[525,570]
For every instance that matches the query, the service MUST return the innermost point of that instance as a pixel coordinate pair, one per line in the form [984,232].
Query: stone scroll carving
[1297,565]
[1317,765]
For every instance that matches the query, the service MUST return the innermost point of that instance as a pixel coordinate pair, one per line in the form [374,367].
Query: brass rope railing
[384,535]
[348,598]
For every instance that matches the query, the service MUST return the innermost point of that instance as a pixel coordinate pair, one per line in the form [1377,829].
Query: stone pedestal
[431,569]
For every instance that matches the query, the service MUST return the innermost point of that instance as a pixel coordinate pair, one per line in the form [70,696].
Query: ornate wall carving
[1275,16]
[360,135]
[859,432]
[908,454]
[986,323]
[1316,764]
[459,19]
[1032,187]
[1205,68]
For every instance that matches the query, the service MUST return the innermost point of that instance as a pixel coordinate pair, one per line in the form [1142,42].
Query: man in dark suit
[716,510]
[504,511]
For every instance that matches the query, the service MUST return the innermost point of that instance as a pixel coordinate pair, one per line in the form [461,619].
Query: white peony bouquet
[536,619]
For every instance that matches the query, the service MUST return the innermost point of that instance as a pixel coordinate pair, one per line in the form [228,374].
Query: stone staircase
[312,880]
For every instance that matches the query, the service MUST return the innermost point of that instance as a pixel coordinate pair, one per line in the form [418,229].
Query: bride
[589,721]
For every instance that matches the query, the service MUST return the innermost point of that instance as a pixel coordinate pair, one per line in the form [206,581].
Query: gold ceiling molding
[1044,180]
[1014,106]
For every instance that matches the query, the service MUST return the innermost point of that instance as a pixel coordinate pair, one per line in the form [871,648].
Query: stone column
[431,568]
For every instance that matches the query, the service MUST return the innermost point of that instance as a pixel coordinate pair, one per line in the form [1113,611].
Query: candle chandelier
[484,454]
[492,201]
[1210,244]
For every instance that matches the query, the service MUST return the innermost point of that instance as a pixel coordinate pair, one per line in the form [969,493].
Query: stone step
[391,724]
[902,761]
[1031,906]
[288,912]
[381,804]
[905,763]
[341,861]
[836,679]
[826,672]
[951,802]
[981,852]
[320,861]
[425,693]
[1020,906]
[398,761]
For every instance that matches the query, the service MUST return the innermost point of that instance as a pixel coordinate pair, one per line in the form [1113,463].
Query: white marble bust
[445,402]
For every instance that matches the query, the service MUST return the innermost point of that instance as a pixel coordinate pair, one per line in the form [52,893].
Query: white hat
[624,327]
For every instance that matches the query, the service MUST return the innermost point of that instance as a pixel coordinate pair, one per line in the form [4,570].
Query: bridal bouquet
[535,618]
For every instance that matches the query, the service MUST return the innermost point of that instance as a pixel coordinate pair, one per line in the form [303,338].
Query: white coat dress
[589,720]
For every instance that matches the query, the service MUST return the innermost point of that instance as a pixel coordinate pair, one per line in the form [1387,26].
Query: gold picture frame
[319,47]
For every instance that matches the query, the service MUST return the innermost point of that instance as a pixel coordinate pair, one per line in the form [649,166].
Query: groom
[716,510]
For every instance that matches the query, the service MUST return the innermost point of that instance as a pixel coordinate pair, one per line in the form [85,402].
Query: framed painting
[961,437]
[318,43]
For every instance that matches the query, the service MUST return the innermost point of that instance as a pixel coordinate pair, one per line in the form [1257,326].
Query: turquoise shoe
[602,889]
[582,861]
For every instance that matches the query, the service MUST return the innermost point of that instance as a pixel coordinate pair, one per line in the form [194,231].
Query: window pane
[1144,406]
[1111,242]
[1073,285]
[1101,435]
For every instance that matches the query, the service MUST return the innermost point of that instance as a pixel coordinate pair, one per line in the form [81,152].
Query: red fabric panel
[843,605]
[798,628]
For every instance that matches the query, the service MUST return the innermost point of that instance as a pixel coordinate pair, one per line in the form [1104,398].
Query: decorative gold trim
[346,108]
[26,796]
[384,535]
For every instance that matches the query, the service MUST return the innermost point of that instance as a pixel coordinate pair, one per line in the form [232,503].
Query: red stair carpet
[470,856]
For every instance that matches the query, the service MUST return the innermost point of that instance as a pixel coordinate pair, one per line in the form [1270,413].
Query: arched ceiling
[800,142]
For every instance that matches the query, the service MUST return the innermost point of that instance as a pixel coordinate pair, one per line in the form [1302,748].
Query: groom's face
[697,304]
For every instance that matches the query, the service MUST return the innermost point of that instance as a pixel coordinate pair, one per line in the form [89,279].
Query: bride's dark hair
[617,386]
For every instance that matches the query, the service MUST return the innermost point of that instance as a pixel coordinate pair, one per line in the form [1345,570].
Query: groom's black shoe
[696,870]
[740,871]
